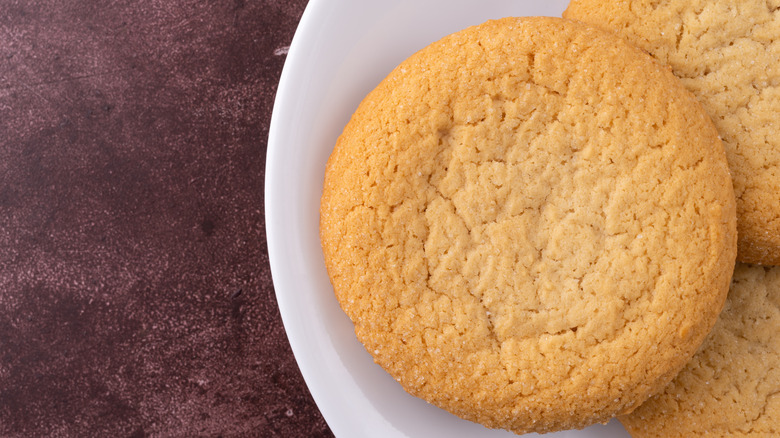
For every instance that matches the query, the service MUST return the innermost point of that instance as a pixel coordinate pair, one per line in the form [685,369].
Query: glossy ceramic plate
[341,50]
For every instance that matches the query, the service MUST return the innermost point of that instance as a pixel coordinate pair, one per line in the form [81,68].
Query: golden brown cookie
[727,52]
[731,387]
[531,224]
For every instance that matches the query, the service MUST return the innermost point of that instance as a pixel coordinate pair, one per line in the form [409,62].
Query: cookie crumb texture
[727,52]
[531,224]
[732,386]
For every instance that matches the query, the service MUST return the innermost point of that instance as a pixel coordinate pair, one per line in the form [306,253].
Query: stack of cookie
[727,52]
[532,225]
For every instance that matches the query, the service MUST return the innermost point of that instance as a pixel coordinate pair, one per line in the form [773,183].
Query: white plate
[341,50]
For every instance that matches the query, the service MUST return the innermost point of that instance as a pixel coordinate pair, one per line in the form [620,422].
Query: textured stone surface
[135,293]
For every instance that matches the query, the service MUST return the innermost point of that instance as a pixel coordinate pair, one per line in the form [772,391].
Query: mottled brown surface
[135,293]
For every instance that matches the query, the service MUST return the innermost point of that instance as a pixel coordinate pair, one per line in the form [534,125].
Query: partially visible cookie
[727,52]
[531,224]
[731,387]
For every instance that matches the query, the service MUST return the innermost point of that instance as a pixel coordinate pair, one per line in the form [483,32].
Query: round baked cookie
[727,52]
[731,387]
[531,224]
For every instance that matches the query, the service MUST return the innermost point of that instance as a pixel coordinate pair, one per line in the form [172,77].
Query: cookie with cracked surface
[731,387]
[531,224]
[727,52]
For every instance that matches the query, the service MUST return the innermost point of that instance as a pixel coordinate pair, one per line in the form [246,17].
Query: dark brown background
[135,293]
